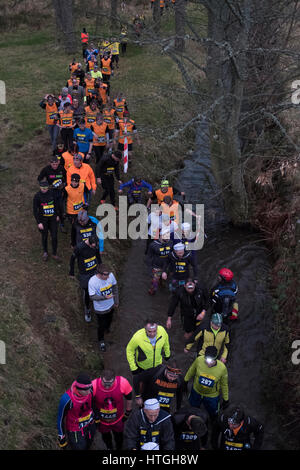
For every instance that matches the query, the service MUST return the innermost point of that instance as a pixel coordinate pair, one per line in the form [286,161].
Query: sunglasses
[104,274]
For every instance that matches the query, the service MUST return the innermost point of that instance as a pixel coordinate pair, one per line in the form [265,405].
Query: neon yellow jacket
[208,381]
[141,353]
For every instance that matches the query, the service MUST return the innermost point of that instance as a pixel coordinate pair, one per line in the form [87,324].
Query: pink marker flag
[125,151]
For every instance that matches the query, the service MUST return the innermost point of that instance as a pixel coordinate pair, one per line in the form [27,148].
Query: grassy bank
[42,325]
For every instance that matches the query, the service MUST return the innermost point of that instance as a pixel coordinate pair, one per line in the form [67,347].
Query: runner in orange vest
[120,105]
[107,69]
[102,91]
[51,104]
[73,195]
[171,208]
[109,116]
[89,85]
[126,128]
[66,125]
[84,41]
[101,137]
[164,190]
[91,112]
[87,176]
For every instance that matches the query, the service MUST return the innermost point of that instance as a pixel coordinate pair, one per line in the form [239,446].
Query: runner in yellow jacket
[147,347]
[210,382]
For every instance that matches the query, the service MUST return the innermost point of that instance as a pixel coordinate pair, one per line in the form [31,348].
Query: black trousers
[82,440]
[50,225]
[67,137]
[104,321]
[108,188]
[107,439]
[99,151]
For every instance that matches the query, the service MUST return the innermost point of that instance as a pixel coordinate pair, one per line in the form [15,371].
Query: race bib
[85,420]
[77,206]
[165,398]
[90,263]
[48,210]
[207,380]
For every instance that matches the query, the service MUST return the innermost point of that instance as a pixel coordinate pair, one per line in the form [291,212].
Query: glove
[135,372]
[62,441]
[225,404]
[126,415]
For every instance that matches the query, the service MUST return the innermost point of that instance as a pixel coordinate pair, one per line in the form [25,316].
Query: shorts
[188,323]
[121,147]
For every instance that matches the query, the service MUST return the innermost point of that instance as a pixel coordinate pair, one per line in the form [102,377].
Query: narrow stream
[241,251]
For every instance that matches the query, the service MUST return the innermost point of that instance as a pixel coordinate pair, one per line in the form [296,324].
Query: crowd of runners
[92,134]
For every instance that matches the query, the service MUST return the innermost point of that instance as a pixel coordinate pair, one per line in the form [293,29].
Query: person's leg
[53,232]
[118,440]
[212,406]
[55,133]
[101,327]
[195,399]
[107,439]
[63,134]
[44,234]
[77,440]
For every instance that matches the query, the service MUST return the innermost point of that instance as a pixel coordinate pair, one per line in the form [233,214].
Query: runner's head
[164,186]
[103,271]
[83,384]
[67,107]
[50,99]
[225,274]
[235,416]
[197,425]
[137,180]
[81,124]
[44,186]
[93,104]
[64,92]
[77,160]
[108,378]
[172,371]
[151,409]
[185,227]
[216,321]
[189,286]
[211,354]
[179,250]
[75,103]
[75,179]
[151,328]
[54,162]
[167,200]
[83,217]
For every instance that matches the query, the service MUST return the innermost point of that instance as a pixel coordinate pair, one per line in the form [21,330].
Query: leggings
[86,297]
[99,150]
[104,320]
[108,188]
[67,137]
[50,225]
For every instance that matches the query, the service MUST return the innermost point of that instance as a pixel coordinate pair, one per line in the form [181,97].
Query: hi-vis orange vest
[66,119]
[84,38]
[73,67]
[68,158]
[172,211]
[103,92]
[90,116]
[70,82]
[51,113]
[119,107]
[91,65]
[75,199]
[106,66]
[90,86]
[160,195]
[129,125]
[108,117]
[100,130]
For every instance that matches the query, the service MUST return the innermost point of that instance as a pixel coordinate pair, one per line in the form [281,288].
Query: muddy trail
[240,250]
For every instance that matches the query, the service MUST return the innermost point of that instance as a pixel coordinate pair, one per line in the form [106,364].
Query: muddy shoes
[87,315]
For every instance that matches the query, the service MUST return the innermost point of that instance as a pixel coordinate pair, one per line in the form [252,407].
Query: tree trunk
[226,72]
[64,23]
[113,14]
[156,16]
[180,10]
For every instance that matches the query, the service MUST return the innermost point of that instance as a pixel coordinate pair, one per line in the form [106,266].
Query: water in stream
[225,246]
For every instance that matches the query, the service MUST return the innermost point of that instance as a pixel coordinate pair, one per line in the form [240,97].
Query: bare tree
[113,13]
[180,7]
[64,23]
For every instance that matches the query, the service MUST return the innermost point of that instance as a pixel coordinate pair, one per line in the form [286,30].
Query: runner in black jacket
[194,301]
[190,429]
[47,212]
[178,267]
[107,168]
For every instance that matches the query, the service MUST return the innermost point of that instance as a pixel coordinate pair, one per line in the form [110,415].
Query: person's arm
[225,348]
[130,354]
[36,209]
[42,104]
[132,431]
[216,431]
[147,185]
[191,372]
[196,336]
[72,262]
[258,431]
[167,440]
[92,180]
[179,393]
[115,292]
[166,347]
[63,408]
[224,385]
[43,174]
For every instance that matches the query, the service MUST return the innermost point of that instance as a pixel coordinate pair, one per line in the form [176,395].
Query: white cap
[150,446]
[179,246]
[165,232]
[185,226]
[151,404]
